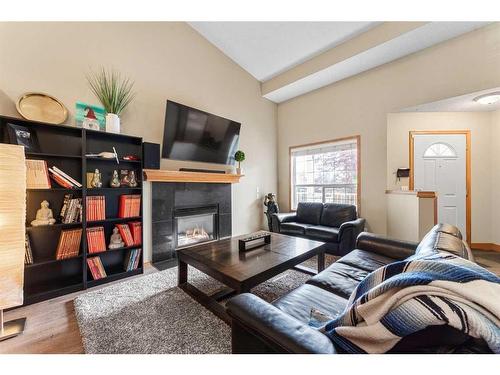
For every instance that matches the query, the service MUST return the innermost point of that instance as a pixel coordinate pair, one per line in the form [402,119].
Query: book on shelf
[71,210]
[69,244]
[37,175]
[96,208]
[63,179]
[67,177]
[136,230]
[96,243]
[96,268]
[129,205]
[132,259]
[28,255]
[126,234]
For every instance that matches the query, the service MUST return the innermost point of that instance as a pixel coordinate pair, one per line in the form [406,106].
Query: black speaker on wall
[150,155]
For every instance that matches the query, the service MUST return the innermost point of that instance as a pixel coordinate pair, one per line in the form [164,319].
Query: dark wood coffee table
[241,271]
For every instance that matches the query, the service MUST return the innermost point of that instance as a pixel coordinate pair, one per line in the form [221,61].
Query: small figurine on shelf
[132,180]
[124,177]
[116,242]
[44,215]
[272,208]
[115,180]
[96,180]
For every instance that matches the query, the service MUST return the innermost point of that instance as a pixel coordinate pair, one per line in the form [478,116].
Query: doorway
[440,162]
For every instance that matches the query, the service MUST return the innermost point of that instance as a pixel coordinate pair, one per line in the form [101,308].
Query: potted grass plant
[114,92]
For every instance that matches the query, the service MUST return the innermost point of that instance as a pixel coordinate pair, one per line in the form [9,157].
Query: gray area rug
[149,314]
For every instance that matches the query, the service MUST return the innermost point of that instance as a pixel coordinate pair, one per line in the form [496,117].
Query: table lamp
[12,235]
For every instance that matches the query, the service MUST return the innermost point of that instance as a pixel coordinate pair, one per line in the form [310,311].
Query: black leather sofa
[282,327]
[335,224]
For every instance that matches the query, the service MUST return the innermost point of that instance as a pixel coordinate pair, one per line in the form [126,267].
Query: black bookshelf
[65,147]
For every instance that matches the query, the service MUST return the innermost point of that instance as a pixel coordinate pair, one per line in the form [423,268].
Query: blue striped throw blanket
[404,297]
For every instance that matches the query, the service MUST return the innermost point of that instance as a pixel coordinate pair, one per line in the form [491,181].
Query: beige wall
[495,177]
[479,123]
[167,61]
[360,104]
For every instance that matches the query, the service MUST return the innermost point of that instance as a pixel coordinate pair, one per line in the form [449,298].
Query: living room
[217,187]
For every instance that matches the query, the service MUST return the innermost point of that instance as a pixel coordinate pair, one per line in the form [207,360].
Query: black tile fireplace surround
[171,200]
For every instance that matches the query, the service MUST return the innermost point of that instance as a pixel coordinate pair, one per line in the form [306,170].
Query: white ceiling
[463,103]
[266,49]
[405,44]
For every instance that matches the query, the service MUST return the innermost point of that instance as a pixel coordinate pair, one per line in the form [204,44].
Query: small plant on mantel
[114,92]
[239,156]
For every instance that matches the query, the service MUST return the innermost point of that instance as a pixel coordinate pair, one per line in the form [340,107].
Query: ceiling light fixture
[490,98]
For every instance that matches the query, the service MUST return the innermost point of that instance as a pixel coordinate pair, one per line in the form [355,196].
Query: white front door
[440,166]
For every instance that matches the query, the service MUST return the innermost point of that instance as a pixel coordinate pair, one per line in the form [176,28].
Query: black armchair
[335,224]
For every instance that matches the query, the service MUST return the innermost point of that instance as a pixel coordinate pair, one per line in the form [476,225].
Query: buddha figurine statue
[44,215]
[115,242]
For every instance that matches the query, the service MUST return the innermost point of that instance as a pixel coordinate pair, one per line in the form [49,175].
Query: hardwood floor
[51,326]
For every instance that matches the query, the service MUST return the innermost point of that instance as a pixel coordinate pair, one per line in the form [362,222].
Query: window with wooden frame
[326,172]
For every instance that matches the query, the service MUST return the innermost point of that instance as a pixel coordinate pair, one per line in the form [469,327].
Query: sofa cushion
[298,302]
[323,233]
[436,241]
[365,260]
[447,228]
[334,215]
[293,228]
[339,278]
[309,213]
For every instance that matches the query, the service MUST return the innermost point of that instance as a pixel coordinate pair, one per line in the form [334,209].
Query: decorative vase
[112,123]
[239,171]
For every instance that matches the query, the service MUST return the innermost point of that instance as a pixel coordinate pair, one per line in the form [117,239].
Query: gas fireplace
[195,225]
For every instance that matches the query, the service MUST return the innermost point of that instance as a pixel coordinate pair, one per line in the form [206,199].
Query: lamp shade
[12,224]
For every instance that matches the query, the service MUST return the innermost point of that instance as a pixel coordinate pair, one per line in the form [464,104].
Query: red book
[102,200]
[126,235]
[136,229]
[60,181]
[93,270]
[121,207]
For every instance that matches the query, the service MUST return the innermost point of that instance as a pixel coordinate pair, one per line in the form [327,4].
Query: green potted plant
[114,92]
[239,156]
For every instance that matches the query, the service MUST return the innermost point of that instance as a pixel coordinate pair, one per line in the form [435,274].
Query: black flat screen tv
[194,135]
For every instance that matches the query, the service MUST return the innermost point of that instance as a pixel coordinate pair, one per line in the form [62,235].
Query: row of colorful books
[69,243]
[71,211]
[96,268]
[131,233]
[130,205]
[38,176]
[96,208]
[132,259]
[96,241]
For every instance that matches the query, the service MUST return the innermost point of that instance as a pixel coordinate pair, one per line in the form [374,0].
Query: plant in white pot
[239,156]
[114,93]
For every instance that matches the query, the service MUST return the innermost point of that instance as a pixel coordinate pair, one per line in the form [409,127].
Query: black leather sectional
[282,327]
[335,224]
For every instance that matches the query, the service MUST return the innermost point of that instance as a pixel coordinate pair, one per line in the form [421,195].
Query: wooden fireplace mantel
[159,175]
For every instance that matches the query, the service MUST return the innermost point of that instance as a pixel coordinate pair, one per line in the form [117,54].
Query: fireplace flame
[197,234]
